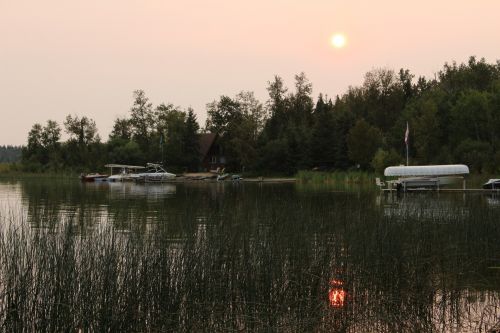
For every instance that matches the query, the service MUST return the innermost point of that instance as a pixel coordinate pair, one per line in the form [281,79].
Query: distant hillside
[9,154]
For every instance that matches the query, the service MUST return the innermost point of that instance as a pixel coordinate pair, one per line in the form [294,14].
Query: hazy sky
[87,57]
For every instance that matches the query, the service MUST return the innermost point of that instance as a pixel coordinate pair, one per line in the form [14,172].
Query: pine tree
[191,142]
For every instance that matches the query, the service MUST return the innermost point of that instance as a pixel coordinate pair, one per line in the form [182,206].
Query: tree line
[452,118]
[10,154]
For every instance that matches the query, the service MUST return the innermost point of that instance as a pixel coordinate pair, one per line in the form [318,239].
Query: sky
[85,58]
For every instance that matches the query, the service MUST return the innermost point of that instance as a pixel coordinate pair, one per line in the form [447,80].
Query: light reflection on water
[407,263]
[10,201]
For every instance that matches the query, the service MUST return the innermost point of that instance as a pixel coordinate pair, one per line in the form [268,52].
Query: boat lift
[425,176]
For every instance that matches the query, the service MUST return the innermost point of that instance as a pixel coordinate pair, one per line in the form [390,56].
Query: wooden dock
[443,190]
[275,180]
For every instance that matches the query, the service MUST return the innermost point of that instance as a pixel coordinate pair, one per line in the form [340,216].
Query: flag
[407,134]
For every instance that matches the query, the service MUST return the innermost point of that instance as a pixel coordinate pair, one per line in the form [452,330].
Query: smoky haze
[87,57]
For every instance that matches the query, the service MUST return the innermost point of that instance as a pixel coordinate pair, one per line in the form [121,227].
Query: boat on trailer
[426,176]
[154,174]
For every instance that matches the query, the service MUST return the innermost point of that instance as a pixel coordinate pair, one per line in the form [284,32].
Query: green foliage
[164,134]
[10,154]
[289,125]
[383,159]
[238,121]
[427,134]
[476,154]
[120,150]
[191,142]
[274,157]
[323,138]
[82,130]
[121,129]
[453,119]
[363,141]
[338,179]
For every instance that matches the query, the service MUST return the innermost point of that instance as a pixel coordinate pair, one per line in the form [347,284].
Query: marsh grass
[252,265]
[339,178]
[6,167]
[13,172]
[362,180]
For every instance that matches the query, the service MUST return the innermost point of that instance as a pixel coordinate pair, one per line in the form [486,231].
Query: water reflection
[494,200]
[431,206]
[252,257]
[130,190]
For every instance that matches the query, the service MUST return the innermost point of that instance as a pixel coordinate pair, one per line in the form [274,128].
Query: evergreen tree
[191,141]
[322,145]
[10,154]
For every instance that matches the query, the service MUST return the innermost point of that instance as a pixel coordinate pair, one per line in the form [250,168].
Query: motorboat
[492,184]
[154,174]
[126,172]
[223,176]
[93,177]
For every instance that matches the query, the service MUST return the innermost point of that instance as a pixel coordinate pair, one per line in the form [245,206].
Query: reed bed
[341,179]
[262,264]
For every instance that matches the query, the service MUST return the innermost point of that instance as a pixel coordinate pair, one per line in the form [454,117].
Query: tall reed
[255,261]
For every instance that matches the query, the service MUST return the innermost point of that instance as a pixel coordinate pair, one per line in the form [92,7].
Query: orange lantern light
[336,294]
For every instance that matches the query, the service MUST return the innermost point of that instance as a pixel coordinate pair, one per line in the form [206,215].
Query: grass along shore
[367,179]
[341,179]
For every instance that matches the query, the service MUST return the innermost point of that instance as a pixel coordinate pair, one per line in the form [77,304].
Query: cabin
[211,152]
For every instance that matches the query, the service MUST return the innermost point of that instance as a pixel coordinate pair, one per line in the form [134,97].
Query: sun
[338,41]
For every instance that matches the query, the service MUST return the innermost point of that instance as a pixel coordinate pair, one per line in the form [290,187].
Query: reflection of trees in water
[259,258]
[50,201]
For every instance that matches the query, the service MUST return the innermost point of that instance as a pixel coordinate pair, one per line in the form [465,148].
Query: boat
[154,174]
[93,177]
[236,178]
[492,184]
[126,172]
[426,176]
[223,176]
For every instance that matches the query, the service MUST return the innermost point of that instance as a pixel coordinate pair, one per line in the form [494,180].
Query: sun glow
[338,41]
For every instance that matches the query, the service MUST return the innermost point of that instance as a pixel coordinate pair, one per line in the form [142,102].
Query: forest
[452,118]
[10,154]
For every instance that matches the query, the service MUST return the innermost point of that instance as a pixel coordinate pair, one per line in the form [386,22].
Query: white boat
[126,172]
[223,176]
[426,176]
[154,174]
[493,184]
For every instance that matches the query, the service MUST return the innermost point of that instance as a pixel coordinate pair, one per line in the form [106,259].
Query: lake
[221,257]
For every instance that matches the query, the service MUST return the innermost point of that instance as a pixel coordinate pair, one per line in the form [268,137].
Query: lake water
[252,257]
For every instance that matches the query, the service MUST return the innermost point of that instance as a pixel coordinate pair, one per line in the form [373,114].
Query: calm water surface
[292,257]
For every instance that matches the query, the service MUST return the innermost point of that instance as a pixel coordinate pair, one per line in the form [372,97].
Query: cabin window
[214,159]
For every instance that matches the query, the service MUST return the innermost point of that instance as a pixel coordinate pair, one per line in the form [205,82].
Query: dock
[189,179]
[431,178]
[444,190]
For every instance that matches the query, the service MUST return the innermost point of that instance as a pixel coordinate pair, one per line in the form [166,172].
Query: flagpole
[407,155]
[161,146]
[407,140]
